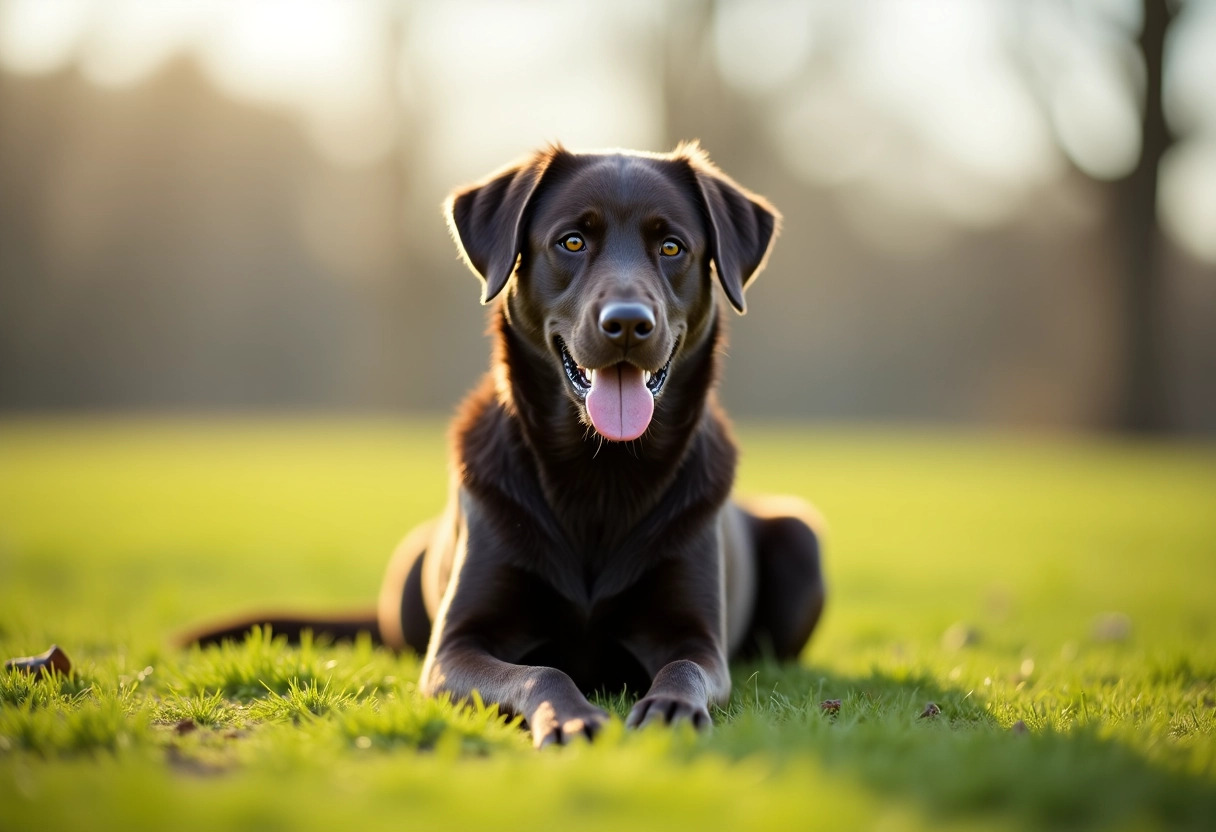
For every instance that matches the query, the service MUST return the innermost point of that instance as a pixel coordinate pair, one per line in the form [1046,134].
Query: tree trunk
[1142,406]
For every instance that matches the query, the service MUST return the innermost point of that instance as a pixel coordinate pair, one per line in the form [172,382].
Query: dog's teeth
[646,376]
[590,374]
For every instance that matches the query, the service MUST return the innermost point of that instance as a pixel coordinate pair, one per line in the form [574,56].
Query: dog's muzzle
[619,398]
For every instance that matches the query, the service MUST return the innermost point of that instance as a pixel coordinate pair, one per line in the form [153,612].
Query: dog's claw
[666,710]
[550,729]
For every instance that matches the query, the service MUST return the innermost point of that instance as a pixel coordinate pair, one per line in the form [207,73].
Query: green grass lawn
[1055,598]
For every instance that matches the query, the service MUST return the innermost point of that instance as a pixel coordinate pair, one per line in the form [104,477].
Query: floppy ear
[486,220]
[742,224]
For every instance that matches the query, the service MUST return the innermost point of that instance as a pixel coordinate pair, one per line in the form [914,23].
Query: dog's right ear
[486,220]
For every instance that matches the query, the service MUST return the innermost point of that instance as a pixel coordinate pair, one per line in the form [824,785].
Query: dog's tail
[326,628]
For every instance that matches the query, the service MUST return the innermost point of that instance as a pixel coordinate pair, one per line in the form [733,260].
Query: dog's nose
[627,323]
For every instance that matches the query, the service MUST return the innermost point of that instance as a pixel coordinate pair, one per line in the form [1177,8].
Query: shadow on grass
[961,761]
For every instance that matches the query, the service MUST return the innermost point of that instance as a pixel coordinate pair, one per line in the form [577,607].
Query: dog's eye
[670,248]
[573,242]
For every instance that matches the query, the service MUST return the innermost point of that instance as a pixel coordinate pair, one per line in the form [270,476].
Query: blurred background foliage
[996,211]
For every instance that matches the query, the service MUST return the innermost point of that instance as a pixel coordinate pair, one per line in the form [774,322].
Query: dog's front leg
[492,615]
[555,710]
[678,635]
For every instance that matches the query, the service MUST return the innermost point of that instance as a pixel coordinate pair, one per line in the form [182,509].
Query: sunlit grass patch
[83,723]
[303,700]
[210,710]
[41,690]
[414,721]
[1052,599]
[261,666]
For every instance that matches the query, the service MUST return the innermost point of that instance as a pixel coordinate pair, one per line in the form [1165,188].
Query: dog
[590,541]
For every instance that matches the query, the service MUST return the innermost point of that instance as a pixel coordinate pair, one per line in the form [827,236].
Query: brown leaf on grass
[54,660]
[186,726]
[830,706]
[931,710]
[1020,728]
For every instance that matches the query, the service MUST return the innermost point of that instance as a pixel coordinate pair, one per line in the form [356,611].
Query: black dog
[589,541]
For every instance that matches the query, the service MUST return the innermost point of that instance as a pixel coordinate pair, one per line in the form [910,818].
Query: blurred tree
[1142,405]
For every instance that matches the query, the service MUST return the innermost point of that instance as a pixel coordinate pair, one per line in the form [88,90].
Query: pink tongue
[619,404]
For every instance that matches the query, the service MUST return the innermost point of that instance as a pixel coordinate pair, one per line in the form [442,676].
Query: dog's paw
[553,727]
[668,710]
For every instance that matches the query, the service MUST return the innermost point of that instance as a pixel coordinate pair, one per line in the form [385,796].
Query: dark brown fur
[565,563]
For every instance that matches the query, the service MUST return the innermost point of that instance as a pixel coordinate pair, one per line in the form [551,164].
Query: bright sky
[924,102]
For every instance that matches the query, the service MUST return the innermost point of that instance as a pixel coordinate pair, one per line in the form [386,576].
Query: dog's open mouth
[619,398]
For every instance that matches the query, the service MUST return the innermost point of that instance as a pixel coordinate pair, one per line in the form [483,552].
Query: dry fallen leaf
[931,710]
[53,660]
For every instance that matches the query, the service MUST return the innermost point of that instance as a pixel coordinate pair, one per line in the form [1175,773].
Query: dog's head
[611,257]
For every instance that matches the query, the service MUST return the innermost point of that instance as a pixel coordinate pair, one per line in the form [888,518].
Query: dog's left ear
[744,226]
[486,220]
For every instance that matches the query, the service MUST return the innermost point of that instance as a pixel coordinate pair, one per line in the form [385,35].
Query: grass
[1053,597]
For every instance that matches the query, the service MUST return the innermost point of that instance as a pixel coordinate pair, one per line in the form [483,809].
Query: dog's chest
[594,658]
[585,639]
